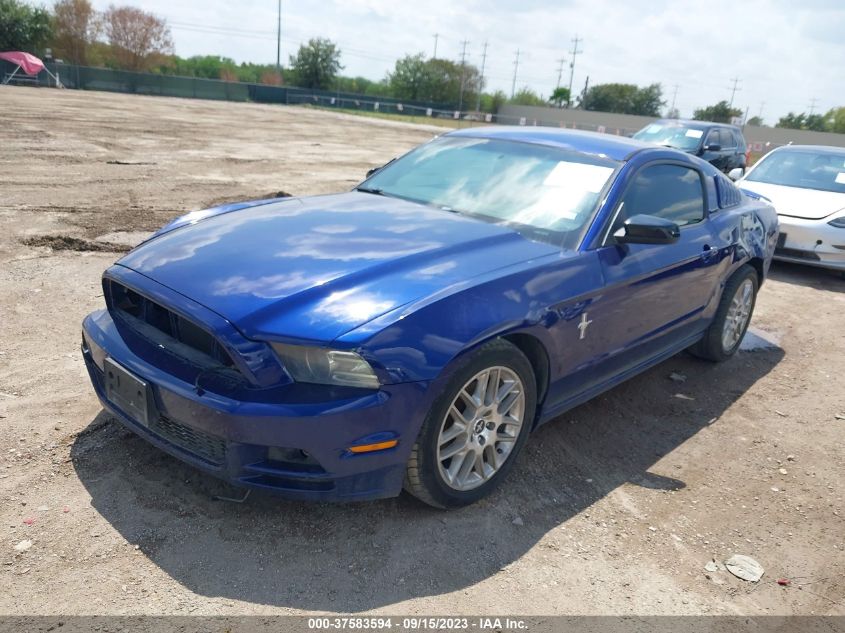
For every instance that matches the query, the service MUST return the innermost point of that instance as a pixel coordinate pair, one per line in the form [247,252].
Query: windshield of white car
[547,192]
[675,135]
[804,169]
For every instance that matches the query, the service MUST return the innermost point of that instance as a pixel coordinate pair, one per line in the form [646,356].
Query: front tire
[722,339]
[475,429]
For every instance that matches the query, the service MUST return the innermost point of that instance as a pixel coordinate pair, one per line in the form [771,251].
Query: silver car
[806,184]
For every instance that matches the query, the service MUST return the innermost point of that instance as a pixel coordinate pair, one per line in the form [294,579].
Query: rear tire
[722,339]
[475,428]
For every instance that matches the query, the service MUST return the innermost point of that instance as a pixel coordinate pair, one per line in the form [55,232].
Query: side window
[728,141]
[672,192]
[713,138]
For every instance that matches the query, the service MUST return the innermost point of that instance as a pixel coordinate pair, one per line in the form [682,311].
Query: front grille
[205,446]
[798,254]
[126,301]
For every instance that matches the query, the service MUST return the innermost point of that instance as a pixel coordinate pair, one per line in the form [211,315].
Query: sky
[787,55]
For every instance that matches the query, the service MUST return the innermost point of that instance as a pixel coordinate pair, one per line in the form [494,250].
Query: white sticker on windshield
[840,178]
[590,178]
[654,128]
[695,133]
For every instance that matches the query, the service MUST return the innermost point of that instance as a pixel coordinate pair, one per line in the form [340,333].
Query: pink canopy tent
[29,64]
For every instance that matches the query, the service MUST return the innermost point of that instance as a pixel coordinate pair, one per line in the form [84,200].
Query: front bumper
[297,448]
[812,242]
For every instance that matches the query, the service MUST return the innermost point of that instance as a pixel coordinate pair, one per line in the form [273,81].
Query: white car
[806,184]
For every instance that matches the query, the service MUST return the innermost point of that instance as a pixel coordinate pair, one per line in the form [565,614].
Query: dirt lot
[616,508]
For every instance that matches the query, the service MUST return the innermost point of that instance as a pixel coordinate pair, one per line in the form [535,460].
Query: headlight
[326,366]
[839,222]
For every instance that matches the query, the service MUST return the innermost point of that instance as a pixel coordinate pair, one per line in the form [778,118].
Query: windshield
[805,169]
[672,134]
[548,192]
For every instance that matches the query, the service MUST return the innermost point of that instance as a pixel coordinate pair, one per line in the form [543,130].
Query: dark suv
[720,144]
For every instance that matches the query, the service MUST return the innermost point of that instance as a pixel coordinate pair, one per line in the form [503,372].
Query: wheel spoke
[480,428]
[457,429]
[452,449]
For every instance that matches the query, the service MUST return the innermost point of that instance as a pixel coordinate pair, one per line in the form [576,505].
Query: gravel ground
[615,508]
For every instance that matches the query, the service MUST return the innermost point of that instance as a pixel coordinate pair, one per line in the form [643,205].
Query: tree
[75,29]
[792,121]
[23,27]
[492,102]
[416,78]
[560,95]
[624,99]
[316,64]
[719,113]
[755,121]
[816,123]
[803,121]
[836,120]
[138,40]
[527,97]
[410,78]
[672,113]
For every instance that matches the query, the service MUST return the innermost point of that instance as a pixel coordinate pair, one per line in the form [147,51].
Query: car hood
[315,268]
[810,204]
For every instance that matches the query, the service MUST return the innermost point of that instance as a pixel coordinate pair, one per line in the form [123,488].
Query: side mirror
[713,147]
[647,229]
[736,173]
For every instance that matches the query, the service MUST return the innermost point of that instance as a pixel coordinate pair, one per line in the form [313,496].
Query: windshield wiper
[373,190]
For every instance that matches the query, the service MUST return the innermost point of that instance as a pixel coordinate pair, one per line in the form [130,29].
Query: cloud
[786,53]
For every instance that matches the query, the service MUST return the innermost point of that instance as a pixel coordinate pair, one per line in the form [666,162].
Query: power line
[574,52]
[515,70]
[734,90]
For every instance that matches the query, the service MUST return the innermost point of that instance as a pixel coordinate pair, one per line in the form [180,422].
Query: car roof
[819,149]
[614,147]
[696,125]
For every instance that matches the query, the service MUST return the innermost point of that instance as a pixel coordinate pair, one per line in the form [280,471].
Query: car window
[713,138]
[806,169]
[547,192]
[667,191]
[671,134]
[728,141]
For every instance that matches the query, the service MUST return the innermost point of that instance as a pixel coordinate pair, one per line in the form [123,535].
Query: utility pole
[279,40]
[584,94]
[674,98]
[481,78]
[560,62]
[463,73]
[760,112]
[813,103]
[734,90]
[574,52]
[436,37]
[515,70]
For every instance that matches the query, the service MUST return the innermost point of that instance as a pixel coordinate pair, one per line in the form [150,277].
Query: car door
[654,295]
[715,157]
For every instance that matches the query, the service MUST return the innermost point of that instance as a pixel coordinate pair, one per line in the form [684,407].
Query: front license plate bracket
[128,392]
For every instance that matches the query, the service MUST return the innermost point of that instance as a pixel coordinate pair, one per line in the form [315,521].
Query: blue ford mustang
[414,331]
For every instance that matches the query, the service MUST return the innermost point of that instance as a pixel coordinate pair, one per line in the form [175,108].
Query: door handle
[708,253]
